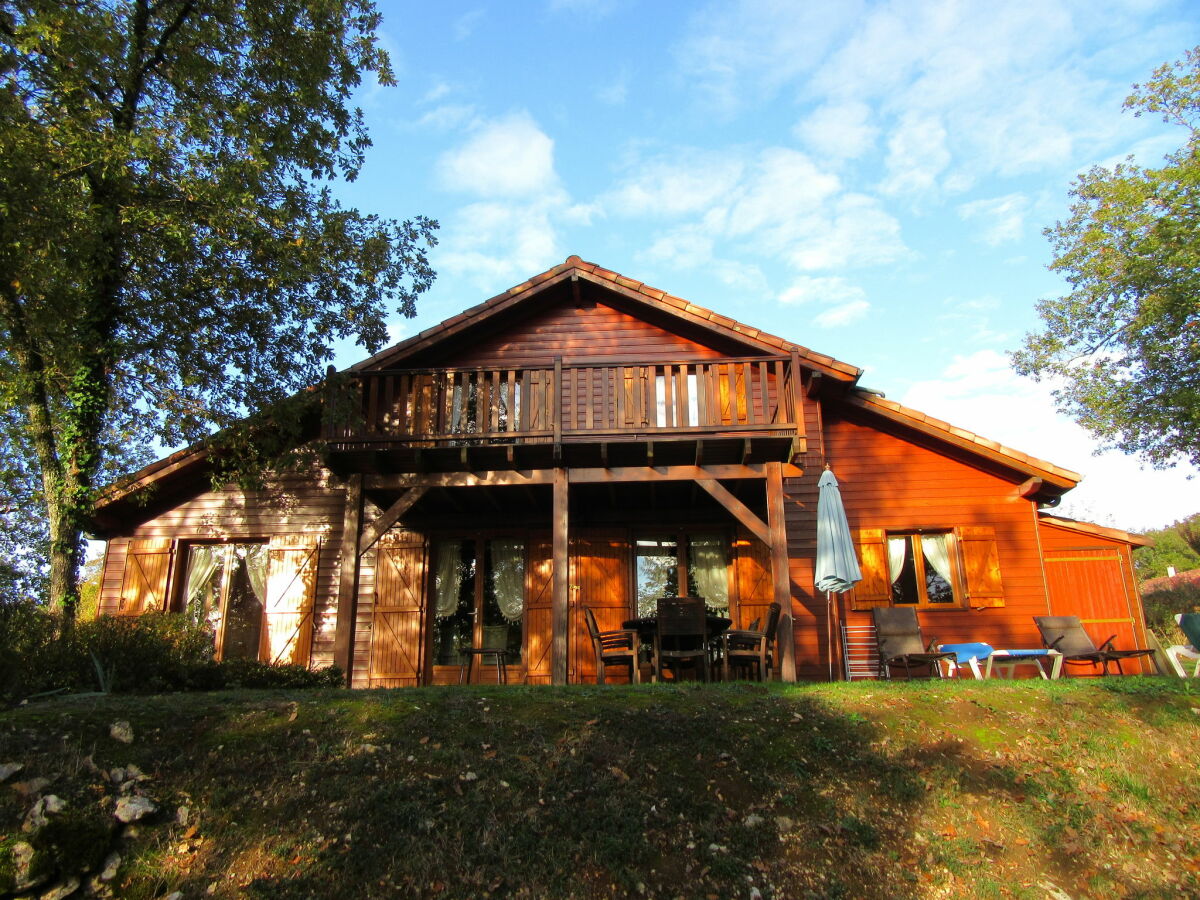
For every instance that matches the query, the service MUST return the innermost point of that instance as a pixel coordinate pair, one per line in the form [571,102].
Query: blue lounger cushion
[964,653]
[1023,653]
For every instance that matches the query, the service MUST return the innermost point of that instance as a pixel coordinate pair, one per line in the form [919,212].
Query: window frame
[180,601]
[957,585]
[480,541]
[683,545]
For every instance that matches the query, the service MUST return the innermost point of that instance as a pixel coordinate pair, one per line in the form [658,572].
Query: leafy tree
[1124,344]
[171,255]
[1172,547]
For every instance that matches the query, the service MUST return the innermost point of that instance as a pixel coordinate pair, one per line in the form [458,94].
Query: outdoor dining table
[646,626]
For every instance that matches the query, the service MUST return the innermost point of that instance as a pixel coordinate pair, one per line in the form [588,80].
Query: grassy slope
[867,790]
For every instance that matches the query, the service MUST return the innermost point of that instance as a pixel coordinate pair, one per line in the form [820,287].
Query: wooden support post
[780,577]
[558,406]
[560,598]
[347,608]
[737,508]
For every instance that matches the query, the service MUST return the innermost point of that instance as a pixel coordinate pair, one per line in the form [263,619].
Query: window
[705,569]
[919,566]
[478,612]
[226,586]
[937,568]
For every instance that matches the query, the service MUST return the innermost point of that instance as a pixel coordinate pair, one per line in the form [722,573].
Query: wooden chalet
[585,440]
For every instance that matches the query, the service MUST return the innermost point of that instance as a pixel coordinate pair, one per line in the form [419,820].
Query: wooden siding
[587,334]
[301,504]
[1091,576]
[893,483]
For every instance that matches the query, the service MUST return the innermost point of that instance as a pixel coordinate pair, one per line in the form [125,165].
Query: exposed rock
[133,808]
[111,863]
[42,810]
[183,815]
[752,821]
[121,731]
[7,770]
[61,890]
[22,856]
[30,788]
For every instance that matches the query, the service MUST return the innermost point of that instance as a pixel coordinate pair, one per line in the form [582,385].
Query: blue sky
[870,180]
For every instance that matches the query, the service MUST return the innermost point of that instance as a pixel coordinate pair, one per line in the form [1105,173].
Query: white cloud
[981,393]
[842,314]
[964,90]
[614,92]
[838,130]
[464,25]
[514,226]
[746,50]
[496,243]
[808,289]
[917,154]
[842,302]
[1002,218]
[506,157]
[778,202]
[447,117]
[679,184]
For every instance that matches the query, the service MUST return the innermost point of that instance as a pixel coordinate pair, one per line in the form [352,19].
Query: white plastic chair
[1181,652]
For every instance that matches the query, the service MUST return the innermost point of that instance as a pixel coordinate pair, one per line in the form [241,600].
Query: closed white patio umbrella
[836,569]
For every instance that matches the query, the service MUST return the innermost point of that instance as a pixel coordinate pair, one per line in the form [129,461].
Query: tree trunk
[65,557]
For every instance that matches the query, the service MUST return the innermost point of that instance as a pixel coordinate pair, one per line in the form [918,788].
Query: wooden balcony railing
[426,407]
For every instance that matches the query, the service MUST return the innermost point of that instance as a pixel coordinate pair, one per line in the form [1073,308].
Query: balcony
[594,414]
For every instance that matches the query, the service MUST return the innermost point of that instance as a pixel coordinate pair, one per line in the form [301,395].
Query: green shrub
[1162,606]
[249,673]
[154,652]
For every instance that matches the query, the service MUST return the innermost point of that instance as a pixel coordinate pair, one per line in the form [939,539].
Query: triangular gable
[633,293]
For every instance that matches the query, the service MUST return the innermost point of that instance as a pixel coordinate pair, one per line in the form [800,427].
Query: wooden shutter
[875,589]
[980,566]
[291,588]
[397,636]
[147,568]
[539,586]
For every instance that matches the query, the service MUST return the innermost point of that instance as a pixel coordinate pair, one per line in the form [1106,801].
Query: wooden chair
[751,649]
[681,638]
[613,648]
[1066,635]
[899,642]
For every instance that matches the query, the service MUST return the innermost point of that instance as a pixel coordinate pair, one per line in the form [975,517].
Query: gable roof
[1115,534]
[654,300]
[632,290]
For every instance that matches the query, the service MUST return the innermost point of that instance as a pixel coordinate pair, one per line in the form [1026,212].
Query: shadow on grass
[657,791]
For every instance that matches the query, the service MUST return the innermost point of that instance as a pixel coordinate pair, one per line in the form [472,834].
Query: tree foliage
[171,254]
[1176,546]
[1124,344]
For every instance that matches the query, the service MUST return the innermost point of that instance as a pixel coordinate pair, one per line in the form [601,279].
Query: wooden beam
[815,380]
[679,473]
[780,577]
[1030,487]
[740,510]
[505,477]
[347,608]
[560,596]
[390,517]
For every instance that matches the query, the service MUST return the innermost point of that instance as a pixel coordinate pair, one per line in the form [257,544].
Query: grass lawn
[1078,788]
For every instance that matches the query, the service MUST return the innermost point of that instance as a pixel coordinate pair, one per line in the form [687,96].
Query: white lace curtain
[447,577]
[935,547]
[710,569]
[203,562]
[508,577]
[257,562]
[937,551]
